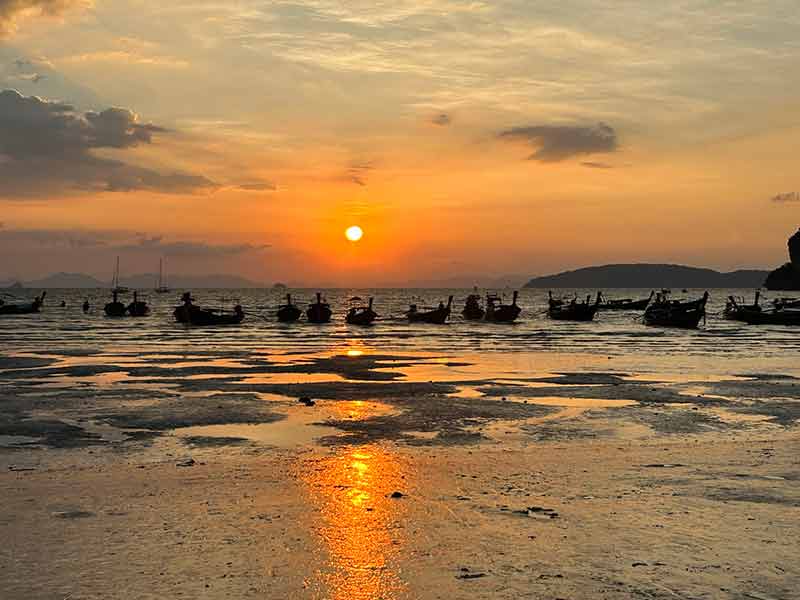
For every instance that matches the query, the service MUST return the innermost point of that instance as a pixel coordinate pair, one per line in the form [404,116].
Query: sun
[353,233]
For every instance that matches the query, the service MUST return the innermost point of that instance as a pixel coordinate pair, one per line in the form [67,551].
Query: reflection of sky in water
[360,524]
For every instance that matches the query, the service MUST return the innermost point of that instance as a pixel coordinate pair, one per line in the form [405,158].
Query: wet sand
[408,477]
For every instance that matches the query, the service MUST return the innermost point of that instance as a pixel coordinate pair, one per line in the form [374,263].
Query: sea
[612,333]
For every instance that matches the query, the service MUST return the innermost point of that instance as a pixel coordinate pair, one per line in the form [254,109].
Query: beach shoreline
[413,475]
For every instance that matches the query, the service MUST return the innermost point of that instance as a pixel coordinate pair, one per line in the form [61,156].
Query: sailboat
[115,286]
[161,288]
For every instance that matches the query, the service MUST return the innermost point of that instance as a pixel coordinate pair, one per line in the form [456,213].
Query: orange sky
[466,138]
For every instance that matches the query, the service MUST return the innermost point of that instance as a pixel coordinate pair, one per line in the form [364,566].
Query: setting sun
[354,233]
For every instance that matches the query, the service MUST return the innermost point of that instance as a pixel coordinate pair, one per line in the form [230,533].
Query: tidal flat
[361,473]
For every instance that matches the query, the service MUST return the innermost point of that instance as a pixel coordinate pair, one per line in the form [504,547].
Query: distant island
[652,276]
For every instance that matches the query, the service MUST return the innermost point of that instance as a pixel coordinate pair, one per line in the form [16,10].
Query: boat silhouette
[497,312]
[319,311]
[664,312]
[115,308]
[288,313]
[561,310]
[22,308]
[473,311]
[436,316]
[191,314]
[361,315]
[138,308]
[626,303]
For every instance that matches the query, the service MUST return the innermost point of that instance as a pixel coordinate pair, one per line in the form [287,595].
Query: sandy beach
[403,477]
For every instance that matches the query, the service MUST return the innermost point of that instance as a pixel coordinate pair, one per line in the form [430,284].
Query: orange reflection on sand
[361,524]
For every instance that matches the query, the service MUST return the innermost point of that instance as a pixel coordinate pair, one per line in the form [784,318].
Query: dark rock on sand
[72,514]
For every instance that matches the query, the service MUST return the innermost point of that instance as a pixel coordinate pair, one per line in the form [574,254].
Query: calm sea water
[612,333]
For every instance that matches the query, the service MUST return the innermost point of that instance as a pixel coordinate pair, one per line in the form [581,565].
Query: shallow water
[612,333]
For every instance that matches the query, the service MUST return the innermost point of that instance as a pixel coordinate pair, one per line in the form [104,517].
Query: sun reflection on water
[361,525]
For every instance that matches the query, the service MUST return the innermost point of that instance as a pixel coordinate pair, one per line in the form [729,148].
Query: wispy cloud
[786,198]
[11,11]
[257,186]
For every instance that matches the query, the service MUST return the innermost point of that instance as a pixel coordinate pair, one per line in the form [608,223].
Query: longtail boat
[288,313]
[560,310]
[780,316]
[675,313]
[361,315]
[115,308]
[779,303]
[22,308]
[437,316]
[626,303]
[319,311]
[502,313]
[191,314]
[736,307]
[473,311]
[138,308]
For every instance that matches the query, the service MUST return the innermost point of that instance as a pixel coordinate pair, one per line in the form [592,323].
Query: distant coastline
[653,276]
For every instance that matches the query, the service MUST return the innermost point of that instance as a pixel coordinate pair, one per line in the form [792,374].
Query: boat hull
[682,315]
[434,317]
[319,314]
[202,317]
[503,314]
[633,305]
[770,318]
[361,317]
[29,308]
[115,309]
[138,309]
[289,314]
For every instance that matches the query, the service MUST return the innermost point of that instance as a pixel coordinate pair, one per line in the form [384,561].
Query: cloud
[54,238]
[188,248]
[47,147]
[596,165]
[258,186]
[119,242]
[442,119]
[12,10]
[555,143]
[786,198]
[357,172]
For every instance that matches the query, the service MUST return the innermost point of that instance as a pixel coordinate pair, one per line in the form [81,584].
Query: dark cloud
[786,198]
[555,143]
[190,248]
[442,119]
[118,242]
[11,9]
[53,238]
[47,147]
[258,186]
